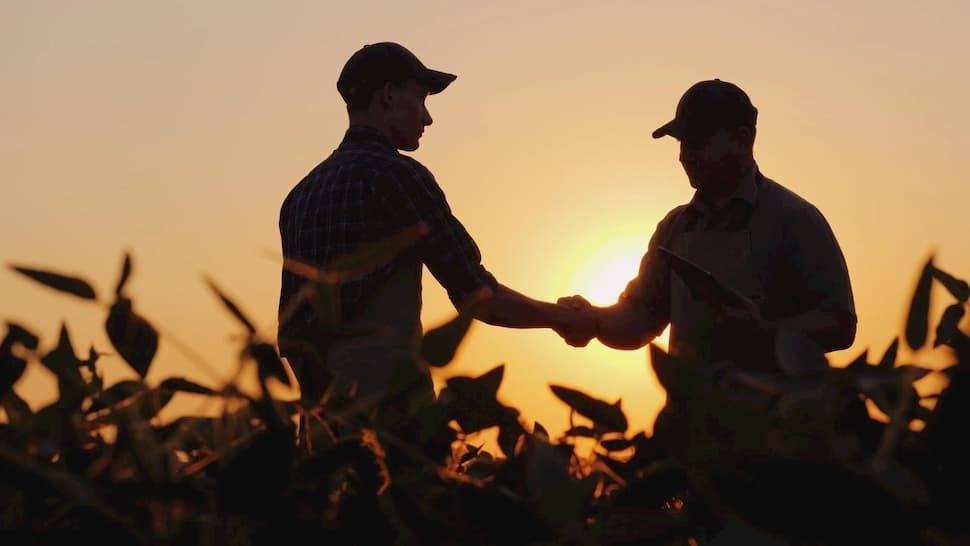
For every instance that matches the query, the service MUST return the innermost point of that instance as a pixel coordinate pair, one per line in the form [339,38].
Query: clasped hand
[579,322]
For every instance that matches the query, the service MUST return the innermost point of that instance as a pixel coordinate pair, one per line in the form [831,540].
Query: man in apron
[366,192]
[753,235]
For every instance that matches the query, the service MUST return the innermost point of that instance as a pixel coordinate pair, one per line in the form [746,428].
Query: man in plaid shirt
[367,191]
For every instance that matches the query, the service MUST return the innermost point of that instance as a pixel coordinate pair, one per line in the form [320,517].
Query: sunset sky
[175,129]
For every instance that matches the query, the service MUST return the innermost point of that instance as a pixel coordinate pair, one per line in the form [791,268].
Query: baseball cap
[709,105]
[373,65]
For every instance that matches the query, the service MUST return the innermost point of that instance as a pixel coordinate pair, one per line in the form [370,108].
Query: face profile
[406,114]
[713,158]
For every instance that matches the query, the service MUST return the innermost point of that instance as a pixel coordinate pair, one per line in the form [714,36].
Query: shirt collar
[746,192]
[358,135]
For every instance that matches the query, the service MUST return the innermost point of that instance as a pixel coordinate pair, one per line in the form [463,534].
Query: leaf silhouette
[540,431]
[18,334]
[616,444]
[12,366]
[473,403]
[919,308]
[889,357]
[439,345]
[492,379]
[71,285]
[180,384]
[581,431]
[132,336]
[17,410]
[948,328]
[117,394]
[268,362]
[957,287]
[64,364]
[668,370]
[860,363]
[608,416]
[231,306]
[125,274]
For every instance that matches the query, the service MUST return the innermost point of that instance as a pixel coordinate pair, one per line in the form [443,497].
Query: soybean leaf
[949,324]
[132,336]
[268,363]
[509,434]
[64,283]
[670,372]
[616,444]
[957,287]
[581,431]
[439,345]
[919,308]
[607,415]
[18,412]
[540,431]
[12,366]
[64,364]
[125,273]
[472,402]
[116,394]
[889,357]
[231,306]
[180,384]
[860,363]
[18,334]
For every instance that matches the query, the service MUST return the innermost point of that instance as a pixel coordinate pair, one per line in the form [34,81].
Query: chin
[408,146]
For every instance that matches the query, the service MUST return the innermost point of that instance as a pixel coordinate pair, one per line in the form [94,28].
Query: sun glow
[607,270]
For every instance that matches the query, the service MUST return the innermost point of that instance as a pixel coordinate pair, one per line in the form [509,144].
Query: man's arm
[642,310]
[623,326]
[815,253]
[510,309]
[412,195]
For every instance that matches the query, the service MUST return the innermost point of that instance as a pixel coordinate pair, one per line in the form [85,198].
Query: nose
[686,156]
[426,117]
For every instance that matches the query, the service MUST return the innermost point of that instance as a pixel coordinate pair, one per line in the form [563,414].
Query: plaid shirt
[364,192]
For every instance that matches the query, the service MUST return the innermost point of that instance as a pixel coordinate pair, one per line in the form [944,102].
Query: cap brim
[672,128]
[437,81]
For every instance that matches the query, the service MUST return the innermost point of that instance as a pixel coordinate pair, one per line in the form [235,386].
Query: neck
[366,119]
[720,194]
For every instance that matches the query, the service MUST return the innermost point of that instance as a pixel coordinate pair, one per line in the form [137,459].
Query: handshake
[578,320]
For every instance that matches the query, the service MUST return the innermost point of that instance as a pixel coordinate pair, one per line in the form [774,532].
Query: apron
[728,256]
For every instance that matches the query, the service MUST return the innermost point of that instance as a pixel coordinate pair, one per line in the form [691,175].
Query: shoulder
[673,221]
[797,218]
[786,205]
[411,176]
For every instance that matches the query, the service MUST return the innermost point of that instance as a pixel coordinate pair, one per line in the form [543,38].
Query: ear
[385,95]
[744,136]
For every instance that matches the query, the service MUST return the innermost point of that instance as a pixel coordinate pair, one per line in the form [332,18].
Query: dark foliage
[737,456]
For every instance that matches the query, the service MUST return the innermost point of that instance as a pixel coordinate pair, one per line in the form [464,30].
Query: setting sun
[607,269]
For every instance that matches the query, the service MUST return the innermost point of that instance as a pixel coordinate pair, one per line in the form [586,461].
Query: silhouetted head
[715,124]
[385,86]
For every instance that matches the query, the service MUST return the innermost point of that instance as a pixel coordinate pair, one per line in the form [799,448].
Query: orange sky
[175,129]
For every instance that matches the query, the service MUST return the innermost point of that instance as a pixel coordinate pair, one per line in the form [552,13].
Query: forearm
[623,327]
[511,309]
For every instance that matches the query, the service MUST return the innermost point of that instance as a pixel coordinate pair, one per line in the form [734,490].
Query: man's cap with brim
[709,105]
[373,65]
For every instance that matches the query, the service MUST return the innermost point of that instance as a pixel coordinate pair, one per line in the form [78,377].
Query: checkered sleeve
[412,195]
